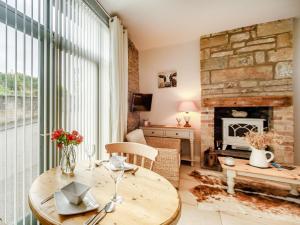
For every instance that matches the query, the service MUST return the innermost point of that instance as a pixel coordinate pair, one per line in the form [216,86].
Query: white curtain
[119,79]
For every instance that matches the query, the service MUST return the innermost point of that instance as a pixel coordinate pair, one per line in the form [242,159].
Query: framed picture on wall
[167,79]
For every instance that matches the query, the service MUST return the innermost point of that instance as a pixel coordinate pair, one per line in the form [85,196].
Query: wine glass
[90,152]
[178,119]
[116,167]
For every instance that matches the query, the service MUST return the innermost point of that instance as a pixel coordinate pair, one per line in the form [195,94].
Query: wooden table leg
[294,190]
[230,181]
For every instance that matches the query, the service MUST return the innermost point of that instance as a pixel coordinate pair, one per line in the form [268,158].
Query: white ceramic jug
[258,158]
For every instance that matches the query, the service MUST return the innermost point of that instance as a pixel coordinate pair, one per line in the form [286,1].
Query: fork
[134,171]
[47,199]
[93,217]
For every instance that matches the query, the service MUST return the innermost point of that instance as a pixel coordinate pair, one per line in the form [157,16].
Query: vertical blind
[77,59]
[54,73]
[19,128]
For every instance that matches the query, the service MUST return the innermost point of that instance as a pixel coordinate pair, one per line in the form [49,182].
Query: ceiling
[157,23]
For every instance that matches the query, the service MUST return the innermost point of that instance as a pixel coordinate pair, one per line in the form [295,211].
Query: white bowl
[75,192]
[64,207]
[229,161]
[117,161]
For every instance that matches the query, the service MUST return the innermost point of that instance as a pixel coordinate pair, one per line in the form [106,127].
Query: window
[54,60]
[82,56]
[19,128]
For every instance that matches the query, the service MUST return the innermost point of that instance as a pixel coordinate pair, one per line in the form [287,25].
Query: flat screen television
[141,102]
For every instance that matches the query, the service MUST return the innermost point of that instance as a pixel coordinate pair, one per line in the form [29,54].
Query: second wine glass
[178,119]
[90,152]
[116,169]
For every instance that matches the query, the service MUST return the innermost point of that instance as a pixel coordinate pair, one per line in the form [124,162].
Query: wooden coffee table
[242,169]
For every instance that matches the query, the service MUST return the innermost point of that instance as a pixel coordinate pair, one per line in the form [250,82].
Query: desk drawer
[177,134]
[153,132]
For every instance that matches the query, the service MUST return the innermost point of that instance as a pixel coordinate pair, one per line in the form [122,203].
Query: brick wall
[250,61]
[133,83]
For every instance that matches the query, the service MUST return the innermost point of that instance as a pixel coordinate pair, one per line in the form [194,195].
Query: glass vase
[68,160]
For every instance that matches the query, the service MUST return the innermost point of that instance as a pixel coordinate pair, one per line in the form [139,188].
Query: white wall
[185,59]
[297,90]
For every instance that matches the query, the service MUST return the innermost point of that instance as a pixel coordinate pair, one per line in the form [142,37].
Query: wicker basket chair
[167,161]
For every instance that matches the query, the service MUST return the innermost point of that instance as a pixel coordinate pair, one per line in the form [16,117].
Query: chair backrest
[135,149]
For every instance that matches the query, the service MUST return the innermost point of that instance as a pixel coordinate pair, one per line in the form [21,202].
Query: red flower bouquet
[63,138]
[66,141]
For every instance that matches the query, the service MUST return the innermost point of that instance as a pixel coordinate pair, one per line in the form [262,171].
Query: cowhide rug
[252,197]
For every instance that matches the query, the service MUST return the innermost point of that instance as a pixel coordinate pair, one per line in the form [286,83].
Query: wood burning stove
[234,130]
[230,126]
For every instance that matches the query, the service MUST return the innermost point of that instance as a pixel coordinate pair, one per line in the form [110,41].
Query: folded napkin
[118,162]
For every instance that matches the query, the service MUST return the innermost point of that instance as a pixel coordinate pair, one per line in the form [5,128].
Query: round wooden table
[148,198]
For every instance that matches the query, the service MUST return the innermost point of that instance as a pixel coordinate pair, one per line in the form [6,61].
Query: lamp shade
[187,106]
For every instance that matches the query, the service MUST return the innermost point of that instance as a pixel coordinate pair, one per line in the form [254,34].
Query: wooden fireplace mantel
[275,101]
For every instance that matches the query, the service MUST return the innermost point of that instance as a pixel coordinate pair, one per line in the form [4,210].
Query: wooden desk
[148,197]
[173,132]
[241,168]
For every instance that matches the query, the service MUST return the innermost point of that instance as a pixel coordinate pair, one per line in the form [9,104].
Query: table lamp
[187,107]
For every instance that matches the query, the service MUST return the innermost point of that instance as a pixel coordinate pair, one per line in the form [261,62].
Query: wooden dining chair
[133,150]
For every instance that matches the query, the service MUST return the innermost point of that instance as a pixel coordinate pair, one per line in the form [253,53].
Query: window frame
[42,33]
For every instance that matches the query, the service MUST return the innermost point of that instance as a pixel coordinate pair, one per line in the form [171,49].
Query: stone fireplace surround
[250,67]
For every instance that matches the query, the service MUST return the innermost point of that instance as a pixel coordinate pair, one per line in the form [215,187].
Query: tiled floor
[191,215]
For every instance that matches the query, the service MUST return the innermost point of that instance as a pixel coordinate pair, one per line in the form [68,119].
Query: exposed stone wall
[250,61]
[133,84]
